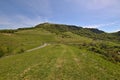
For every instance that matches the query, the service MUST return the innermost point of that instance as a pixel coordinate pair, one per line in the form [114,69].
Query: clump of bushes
[21,50]
[7,51]
[27,28]
[1,53]
[111,55]
[4,50]
[110,52]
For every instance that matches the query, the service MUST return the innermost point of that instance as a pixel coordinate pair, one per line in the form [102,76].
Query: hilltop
[50,51]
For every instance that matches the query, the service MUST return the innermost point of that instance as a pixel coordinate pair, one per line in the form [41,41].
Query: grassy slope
[26,39]
[86,32]
[23,40]
[63,62]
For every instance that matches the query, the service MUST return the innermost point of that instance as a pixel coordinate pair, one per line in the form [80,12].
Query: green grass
[70,56]
[68,37]
[24,40]
[58,62]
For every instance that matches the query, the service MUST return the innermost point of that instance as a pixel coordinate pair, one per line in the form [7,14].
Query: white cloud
[91,26]
[112,31]
[19,21]
[109,27]
[99,25]
[37,11]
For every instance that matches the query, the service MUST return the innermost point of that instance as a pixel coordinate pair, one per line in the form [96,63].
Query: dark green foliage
[109,51]
[65,36]
[116,33]
[8,31]
[1,53]
[21,50]
[26,28]
[4,51]
[95,30]
[96,50]
[58,28]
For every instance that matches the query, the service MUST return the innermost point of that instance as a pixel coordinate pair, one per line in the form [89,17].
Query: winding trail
[44,45]
[29,68]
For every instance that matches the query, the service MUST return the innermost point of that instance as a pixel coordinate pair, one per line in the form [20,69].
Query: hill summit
[87,32]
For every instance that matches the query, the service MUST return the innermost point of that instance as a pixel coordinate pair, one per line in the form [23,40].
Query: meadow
[58,62]
[45,53]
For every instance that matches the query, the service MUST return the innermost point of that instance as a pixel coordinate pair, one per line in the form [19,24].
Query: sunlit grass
[58,62]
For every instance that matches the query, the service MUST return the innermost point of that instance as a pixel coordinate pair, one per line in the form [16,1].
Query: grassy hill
[18,42]
[86,32]
[71,53]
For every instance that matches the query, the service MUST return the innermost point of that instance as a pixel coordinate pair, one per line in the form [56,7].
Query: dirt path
[37,47]
[27,70]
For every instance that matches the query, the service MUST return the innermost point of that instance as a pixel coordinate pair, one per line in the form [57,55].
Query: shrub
[1,53]
[21,50]
[4,51]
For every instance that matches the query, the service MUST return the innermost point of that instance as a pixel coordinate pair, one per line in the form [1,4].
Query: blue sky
[101,14]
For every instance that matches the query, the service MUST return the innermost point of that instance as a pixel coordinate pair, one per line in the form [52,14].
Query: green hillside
[86,32]
[18,42]
[59,52]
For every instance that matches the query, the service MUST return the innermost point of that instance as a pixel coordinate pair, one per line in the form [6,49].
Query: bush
[4,51]
[21,50]
[109,51]
[1,53]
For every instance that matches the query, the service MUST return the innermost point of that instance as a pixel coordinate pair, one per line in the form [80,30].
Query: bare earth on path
[37,47]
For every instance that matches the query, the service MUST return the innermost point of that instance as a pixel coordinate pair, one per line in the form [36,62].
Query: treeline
[8,31]
[14,30]
[26,28]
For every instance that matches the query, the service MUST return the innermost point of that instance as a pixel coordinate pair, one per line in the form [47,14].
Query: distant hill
[63,27]
[93,33]
[87,32]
